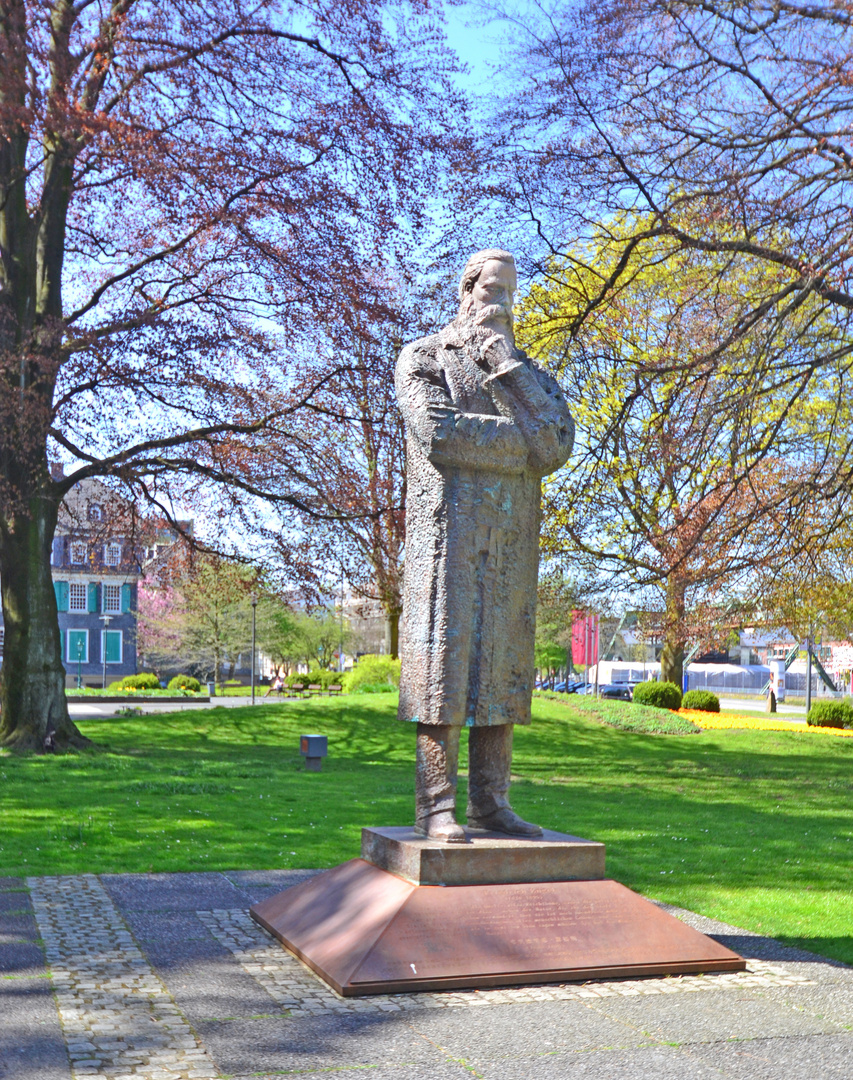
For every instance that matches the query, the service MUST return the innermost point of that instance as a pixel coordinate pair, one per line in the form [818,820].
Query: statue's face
[494,289]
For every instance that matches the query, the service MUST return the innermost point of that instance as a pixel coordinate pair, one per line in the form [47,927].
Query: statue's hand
[498,356]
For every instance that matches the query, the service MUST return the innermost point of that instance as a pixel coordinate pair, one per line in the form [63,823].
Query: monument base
[365,930]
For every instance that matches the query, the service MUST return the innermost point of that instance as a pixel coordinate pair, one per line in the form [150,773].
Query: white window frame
[84,585]
[96,512]
[106,585]
[104,646]
[75,545]
[84,659]
[112,549]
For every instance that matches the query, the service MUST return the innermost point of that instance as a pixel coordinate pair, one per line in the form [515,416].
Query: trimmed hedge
[373,670]
[660,695]
[184,682]
[836,714]
[701,700]
[317,677]
[137,682]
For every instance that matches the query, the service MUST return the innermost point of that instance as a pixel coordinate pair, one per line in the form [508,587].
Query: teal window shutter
[93,596]
[78,640]
[125,598]
[112,647]
[61,590]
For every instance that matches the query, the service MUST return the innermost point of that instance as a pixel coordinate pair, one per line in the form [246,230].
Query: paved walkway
[165,977]
[81,709]
[786,711]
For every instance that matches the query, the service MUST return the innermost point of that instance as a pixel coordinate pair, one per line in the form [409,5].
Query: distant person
[275,686]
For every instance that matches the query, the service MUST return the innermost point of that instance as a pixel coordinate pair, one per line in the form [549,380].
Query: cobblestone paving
[121,1023]
[297,989]
[116,1015]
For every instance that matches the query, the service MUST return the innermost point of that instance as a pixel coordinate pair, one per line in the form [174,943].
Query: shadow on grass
[805,950]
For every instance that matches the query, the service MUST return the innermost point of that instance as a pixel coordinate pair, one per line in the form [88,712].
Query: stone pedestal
[488,858]
[412,914]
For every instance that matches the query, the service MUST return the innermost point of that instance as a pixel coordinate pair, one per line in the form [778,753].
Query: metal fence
[751,679]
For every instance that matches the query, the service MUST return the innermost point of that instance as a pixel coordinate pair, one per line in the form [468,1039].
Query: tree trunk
[392,633]
[672,654]
[34,709]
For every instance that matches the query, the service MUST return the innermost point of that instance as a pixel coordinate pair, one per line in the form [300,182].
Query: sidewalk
[793,713]
[80,709]
[165,977]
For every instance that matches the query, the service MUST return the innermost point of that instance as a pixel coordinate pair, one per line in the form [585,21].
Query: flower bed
[710,721]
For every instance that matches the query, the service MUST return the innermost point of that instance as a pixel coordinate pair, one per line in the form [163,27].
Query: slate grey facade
[96,591]
[96,567]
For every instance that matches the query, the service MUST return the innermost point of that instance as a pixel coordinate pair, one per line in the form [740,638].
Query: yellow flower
[723,720]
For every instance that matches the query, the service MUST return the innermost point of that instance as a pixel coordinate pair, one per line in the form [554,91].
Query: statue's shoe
[442,826]
[503,821]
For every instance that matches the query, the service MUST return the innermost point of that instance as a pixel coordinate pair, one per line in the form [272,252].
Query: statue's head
[487,289]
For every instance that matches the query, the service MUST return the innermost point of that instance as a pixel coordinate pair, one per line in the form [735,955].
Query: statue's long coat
[477,448]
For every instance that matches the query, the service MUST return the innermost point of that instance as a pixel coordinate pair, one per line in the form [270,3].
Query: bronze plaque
[367,932]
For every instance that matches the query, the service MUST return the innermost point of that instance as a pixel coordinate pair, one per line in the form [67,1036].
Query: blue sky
[474,44]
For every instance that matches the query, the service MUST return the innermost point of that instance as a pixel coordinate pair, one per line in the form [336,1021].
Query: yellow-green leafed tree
[694,450]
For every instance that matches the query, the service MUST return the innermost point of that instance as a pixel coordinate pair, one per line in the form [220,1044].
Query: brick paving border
[116,1015]
[295,987]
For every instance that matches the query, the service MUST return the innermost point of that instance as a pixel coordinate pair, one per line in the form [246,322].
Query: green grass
[638,718]
[751,827]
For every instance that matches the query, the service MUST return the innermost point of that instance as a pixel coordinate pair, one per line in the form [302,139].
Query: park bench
[336,689]
[315,688]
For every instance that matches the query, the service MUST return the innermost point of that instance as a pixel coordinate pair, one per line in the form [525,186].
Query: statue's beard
[480,323]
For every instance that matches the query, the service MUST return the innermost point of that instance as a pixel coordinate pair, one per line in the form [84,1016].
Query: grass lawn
[755,828]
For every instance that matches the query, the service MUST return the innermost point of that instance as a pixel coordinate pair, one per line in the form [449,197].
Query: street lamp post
[254,621]
[341,646]
[809,644]
[107,619]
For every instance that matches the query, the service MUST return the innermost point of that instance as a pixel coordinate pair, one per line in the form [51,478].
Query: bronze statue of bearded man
[484,424]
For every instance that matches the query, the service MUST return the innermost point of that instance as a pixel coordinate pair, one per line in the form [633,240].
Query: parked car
[621,691]
[568,687]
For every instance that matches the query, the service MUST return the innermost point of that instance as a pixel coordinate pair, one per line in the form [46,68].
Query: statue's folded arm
[449,436]
[542,416]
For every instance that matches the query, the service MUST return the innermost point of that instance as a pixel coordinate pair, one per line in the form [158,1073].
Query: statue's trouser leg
[489,764]
[435,781]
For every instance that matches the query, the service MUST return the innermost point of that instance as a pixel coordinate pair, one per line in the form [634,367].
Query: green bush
[318,677]
[184,682]
[703,700]
[837,714]
[374,688]
[327,678]
[137,682]
[372,670]
[660,695]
